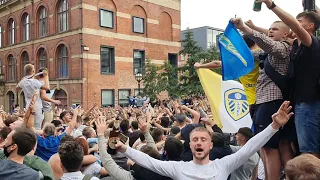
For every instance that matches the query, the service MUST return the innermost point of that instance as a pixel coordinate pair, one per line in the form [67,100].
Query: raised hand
[282,116]
[238,23]
[101,126]
[250,24]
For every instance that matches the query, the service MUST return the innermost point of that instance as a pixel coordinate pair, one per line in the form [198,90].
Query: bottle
[257,6]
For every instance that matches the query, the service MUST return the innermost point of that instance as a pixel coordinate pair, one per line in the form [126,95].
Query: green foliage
[165,77]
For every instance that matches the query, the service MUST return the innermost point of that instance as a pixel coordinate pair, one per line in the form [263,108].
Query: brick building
[92,48]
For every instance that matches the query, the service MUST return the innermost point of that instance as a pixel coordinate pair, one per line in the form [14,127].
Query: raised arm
[44,97]
[211,65]
[250,24]
[235,160]
[195,114]
[291,22]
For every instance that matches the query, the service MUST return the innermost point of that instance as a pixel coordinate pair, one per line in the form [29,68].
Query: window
[63,61]
[42,22]
[106,18]
[212,36]
[107,98]
[42,58]
[107,60]
[11,31]
[0,36]
[138,61]
[123,97]
[138,25]
[63,16]
[11,68]
[25,27]
[25,60]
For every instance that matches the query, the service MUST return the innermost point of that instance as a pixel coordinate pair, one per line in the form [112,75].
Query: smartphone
[123,138]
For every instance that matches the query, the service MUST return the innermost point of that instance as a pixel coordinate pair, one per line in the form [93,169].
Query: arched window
[63,16]
[11,68]
[63,61]
[43,22]
[25,27]
[61,95]
[42,55]
[11,38]
[25,60]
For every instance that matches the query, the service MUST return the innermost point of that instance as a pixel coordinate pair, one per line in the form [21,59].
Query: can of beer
[257,6]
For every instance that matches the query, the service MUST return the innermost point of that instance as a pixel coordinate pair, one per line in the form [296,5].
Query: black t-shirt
[141,173]
[306,71]
[10,170]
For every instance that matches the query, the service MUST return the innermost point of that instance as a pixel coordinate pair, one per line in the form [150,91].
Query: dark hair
[25,140]
[181,117]
[157,134]
[312,17]
[71,156]
[246,132]
[135,124]
[152,152]
[4,132]
[124,125]
[56,123]
[248,41]
[173,148]
[63,114]
[165,122]
[10,119]
[41,70]
[66,138]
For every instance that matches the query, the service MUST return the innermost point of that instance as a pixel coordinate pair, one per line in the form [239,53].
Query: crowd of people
[176,138]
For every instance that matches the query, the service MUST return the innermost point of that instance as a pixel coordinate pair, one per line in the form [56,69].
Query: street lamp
[139,78]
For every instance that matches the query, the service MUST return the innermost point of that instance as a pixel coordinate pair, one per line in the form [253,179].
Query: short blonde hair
[28,68]
[304,167]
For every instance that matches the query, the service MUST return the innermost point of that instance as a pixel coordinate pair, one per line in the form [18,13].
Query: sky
[217,13]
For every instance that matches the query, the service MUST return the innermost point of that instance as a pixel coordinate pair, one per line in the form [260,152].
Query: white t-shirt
[261,170]
[29,86]
[93,169]
[75,176]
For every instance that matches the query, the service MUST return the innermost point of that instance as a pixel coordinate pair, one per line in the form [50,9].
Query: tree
[152,87]
[189,80]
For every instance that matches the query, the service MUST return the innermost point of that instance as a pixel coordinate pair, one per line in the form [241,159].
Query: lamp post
[138,77]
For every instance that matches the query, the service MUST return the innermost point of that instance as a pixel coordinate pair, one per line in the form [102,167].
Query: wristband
[273,5]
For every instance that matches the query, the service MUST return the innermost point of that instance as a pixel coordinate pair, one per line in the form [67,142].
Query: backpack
[284,82]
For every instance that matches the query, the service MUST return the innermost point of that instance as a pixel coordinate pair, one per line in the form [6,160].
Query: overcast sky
[217,13]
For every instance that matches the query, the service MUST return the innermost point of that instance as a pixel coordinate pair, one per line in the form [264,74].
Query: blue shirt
[48,146]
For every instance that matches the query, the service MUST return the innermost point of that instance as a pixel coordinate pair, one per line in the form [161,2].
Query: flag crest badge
[236,103]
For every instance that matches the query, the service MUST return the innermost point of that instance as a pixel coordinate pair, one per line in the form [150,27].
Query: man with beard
[18,144]
[201,167]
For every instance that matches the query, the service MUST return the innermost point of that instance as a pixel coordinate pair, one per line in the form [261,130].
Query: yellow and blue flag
[236,57]
[228,101]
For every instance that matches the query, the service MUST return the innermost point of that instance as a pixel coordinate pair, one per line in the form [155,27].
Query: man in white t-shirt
[29,85]
[200,143]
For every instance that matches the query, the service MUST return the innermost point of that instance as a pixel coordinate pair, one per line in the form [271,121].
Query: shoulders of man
[38,164]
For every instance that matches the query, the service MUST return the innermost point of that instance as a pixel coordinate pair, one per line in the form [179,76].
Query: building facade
[205,36]
[92,48]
